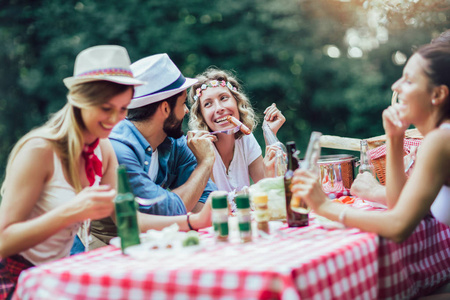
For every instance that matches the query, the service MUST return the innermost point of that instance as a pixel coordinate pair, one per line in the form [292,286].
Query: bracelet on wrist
[342,215]
[189,222]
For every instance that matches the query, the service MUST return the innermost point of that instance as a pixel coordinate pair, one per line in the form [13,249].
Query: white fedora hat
[163,79]
[106,62]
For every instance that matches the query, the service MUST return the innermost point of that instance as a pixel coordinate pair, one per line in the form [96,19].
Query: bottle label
[245,226]
[262,215]
[295,218]
[220,222]
[221,229]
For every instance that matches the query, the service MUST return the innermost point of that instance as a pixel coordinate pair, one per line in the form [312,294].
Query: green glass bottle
[126,207]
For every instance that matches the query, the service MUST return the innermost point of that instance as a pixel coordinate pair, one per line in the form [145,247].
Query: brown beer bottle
[309,163]
[294,219]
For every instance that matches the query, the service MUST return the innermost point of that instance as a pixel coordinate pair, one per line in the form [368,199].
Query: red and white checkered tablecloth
[417,266]
[307,263]
[381,150]
[294,263]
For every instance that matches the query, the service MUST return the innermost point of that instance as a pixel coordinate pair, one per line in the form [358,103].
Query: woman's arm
[198,220]
[256,169]
[395,172]
[109,164]
[34,166]
[430,173]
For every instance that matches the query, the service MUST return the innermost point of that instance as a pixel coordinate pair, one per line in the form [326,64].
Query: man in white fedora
[160,160]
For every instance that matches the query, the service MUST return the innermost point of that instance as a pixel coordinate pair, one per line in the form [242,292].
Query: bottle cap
[242,201]
[260,198]
[219,200]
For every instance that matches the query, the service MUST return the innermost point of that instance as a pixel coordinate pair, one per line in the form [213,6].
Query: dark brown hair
[437,56]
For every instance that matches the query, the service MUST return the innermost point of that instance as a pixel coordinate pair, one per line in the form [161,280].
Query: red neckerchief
[93,165]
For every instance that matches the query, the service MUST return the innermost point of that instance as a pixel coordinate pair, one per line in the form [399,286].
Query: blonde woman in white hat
[63,172]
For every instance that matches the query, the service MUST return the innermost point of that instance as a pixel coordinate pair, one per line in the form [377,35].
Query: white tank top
[441,205]
[55,193]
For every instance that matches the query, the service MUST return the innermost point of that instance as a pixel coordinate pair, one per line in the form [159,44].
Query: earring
[433,101]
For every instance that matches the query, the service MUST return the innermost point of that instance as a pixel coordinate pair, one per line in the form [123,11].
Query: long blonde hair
[64,129]
[246,112]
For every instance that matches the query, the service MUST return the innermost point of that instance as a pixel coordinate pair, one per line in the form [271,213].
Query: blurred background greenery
[327,64]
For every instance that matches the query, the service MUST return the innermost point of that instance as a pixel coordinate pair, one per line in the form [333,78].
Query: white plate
[159,246]
[147,251]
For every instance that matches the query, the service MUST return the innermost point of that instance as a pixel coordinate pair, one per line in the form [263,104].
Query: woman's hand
[365,186]
[270,160]
[306,185]
[274,118]
[203,218]
[393,120]
[94,203]
[409,160]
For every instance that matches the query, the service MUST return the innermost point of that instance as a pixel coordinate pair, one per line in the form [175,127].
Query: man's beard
[172,126]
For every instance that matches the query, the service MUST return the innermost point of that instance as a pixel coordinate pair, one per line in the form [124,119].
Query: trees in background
[325,63]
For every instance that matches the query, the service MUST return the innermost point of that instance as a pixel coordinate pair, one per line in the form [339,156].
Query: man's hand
[201,145]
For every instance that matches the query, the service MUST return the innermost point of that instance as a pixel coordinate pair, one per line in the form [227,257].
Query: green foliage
[275,47]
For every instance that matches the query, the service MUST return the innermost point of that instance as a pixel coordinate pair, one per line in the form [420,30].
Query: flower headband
[213,83]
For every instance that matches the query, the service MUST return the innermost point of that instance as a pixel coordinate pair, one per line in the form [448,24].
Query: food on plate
[345,199]
[191,239]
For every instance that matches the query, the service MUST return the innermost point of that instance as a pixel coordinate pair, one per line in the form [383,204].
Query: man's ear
[165,108]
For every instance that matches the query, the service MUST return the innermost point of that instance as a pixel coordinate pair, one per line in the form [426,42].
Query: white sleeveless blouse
[441,205]
[55,193]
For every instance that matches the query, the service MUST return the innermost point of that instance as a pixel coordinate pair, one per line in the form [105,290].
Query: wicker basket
[379,162]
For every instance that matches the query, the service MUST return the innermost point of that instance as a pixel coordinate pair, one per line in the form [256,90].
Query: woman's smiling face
[216,103]
[100,120]
[414,90]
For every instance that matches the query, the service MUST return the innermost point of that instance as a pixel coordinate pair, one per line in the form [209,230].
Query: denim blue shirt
[176,164]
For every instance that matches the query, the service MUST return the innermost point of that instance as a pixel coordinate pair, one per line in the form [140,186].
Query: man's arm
[195,161]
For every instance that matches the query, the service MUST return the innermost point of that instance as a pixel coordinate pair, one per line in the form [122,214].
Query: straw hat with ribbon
[163,79]
[105,62]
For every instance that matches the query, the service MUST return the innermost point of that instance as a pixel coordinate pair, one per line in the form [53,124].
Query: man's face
[173,124]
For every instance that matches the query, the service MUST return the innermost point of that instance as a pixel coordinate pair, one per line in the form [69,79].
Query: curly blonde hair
[246,112]
[65,128]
